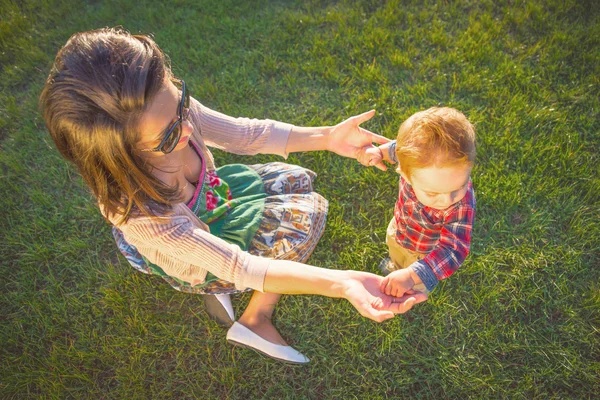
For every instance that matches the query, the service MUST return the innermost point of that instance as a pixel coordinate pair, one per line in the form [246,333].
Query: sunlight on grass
[519,320]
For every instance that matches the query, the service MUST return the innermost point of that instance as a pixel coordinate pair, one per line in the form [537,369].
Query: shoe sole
[217,312]
[233,342]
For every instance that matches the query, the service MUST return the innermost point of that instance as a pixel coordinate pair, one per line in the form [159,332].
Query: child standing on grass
[430,234]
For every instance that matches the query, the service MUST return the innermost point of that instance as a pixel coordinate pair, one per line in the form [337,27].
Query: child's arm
[388,151]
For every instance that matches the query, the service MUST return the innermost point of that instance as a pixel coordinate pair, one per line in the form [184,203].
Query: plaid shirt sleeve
[453,246]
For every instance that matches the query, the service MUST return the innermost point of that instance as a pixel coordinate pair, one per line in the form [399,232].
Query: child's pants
[401,257]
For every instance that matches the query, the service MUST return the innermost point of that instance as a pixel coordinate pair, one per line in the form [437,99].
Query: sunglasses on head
[173,133]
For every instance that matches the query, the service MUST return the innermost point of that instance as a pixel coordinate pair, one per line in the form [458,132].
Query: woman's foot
[239,335]
[263,327]
[255,330]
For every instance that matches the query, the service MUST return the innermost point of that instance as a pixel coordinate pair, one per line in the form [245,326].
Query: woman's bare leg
[257,316]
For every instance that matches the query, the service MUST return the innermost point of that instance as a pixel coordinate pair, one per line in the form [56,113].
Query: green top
[231,201]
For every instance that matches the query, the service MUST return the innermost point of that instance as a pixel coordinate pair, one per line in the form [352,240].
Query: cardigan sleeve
[186,251]
[240,135]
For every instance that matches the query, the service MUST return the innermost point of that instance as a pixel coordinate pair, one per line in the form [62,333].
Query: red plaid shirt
[444,235]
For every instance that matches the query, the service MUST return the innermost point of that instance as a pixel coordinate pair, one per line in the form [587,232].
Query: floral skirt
[293,222]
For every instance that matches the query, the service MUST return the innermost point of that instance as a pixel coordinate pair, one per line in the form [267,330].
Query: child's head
[436,151]
[101,84]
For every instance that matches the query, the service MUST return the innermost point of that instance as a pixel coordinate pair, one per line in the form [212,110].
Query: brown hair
[437,136]
[101,83]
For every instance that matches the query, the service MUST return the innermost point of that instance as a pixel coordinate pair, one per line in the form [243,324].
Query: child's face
[440,187]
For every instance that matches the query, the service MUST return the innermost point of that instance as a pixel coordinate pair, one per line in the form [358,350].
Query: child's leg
[257,316]
[397,253]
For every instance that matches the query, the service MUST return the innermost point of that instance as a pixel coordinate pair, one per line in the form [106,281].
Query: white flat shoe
[219,308]
[239,335]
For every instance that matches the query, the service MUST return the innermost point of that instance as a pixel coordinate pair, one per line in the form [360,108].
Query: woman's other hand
[348,139]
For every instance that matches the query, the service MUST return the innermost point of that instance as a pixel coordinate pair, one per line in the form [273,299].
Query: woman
[114,109]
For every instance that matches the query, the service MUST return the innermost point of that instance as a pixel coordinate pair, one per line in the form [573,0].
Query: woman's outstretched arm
[361,289]
[187,252]
[346,139]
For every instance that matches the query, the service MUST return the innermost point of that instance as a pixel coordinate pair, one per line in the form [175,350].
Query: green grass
[521,319]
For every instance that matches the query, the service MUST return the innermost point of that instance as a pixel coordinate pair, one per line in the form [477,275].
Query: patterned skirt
[293,222]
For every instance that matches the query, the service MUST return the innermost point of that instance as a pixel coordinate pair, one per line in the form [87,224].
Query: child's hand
[397,283]
[369,156]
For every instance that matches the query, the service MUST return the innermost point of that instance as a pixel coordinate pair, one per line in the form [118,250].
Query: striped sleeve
[240,135]
[186,252]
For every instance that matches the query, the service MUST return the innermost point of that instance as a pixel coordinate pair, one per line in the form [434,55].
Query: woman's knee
[282,178]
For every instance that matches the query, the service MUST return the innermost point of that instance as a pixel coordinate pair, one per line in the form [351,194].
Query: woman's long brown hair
[101,83]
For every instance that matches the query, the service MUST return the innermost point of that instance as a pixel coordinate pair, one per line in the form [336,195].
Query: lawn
[520,319]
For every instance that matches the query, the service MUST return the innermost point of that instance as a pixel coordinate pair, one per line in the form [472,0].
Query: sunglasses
[173,133]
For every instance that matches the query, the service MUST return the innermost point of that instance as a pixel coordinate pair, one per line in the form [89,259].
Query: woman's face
[159,117]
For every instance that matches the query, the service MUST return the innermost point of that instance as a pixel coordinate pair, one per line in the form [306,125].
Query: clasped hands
[372,294]
[348,139]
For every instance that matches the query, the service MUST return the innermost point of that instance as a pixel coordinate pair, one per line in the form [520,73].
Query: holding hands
[348,139]
[400,283]
[371,155]
[367,293]
[374,296]
[393,294]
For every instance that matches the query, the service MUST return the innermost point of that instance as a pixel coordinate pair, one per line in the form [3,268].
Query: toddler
[430,234]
